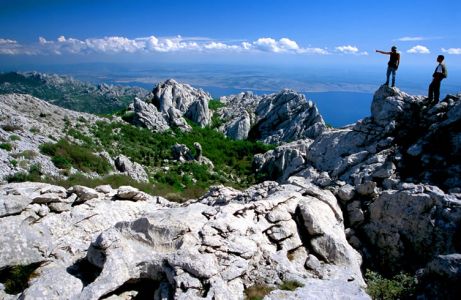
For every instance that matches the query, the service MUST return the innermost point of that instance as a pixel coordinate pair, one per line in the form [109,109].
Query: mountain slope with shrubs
[70,93]
[372,209]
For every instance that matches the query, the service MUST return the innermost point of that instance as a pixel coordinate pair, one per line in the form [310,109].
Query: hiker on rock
[392,65]
[440,73]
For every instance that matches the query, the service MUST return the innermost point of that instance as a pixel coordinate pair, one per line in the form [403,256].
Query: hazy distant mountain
[70,93]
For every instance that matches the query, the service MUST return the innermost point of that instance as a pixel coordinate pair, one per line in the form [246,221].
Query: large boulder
[132,169]
[392,105]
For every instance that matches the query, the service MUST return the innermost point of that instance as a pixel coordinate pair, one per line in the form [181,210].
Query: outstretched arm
[383,52]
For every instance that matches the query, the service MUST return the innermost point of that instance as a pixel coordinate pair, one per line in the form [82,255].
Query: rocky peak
[275,118]
[189,101]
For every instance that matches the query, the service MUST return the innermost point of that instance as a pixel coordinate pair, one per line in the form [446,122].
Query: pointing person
[440,73]
[392,65]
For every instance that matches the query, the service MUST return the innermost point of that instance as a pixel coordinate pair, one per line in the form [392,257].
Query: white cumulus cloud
[152,44]
[453,51]
[419,49]
[411,39]
[348,49]
[12,47]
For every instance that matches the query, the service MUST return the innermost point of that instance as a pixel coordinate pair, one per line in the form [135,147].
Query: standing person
[439,74]
[392,65]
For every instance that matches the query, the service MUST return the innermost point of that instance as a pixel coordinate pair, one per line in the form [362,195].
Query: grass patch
[65,155]
[14,137]
[257,292]
[15,279]
[400,286]
[6,146]
[290,285]
[34,130]
[26,154]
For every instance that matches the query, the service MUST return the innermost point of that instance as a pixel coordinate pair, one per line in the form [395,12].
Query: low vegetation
[15,279]
[400,286]
[34,174]
[66,155]
[6,146]
[257,292]
[174,180]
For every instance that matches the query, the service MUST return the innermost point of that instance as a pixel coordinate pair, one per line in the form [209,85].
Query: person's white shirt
[439,69]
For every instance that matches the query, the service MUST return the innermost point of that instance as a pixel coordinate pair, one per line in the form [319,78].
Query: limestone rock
[407,226]
[275,118]
[132,169]
[148,116]
[83,193]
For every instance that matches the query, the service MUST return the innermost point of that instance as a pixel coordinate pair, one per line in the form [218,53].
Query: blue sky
[275,31]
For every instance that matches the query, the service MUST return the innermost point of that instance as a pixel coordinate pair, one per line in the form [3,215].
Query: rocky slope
[27,122]
[384,191]
[70,93]
[396,175]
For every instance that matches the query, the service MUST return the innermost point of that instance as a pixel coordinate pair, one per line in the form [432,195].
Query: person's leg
[437,91]
[393,76]
[430,94]
[388,73]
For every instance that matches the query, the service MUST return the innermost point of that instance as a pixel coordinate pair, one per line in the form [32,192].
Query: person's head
[440,58]
[394,49]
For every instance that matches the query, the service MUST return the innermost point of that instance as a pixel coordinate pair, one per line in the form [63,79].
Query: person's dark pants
[390,70]
[434,91]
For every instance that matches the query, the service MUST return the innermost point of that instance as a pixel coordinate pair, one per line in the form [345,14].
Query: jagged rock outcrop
[171,103]
[387,171]
[276,118]
[200,250]
[147,115]
[182,153]
[190,102]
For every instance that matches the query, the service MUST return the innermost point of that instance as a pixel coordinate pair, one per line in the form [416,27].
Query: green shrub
[14,162]
[34,130]
[398,287]
[65,154]
[215,104]
[11,127]
[61,162]
[15,279]
[17,177]
[6,146]
[14,137]
[290,285]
